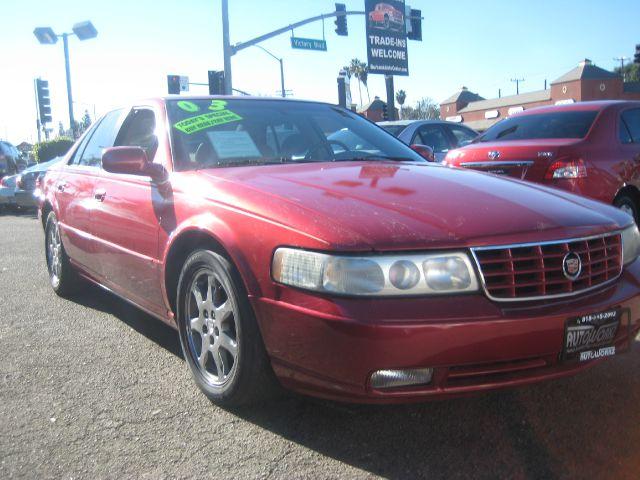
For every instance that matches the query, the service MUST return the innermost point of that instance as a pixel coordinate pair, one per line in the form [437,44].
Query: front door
[126,220]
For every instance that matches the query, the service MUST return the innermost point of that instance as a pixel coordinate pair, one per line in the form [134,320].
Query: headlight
[630,244]
[372,275]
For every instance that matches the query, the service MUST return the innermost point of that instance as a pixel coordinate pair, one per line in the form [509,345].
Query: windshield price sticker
[206,120]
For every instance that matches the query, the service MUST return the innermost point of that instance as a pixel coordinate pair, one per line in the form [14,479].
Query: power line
[621,60]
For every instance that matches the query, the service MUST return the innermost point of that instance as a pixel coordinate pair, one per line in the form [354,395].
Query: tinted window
[219,133]
[75,160]
[544,125]
[463,135]
[631,119]
[434,137]
[139,130]
[103,137]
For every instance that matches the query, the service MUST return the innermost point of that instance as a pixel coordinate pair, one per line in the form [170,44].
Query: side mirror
[424,151]
[131,161]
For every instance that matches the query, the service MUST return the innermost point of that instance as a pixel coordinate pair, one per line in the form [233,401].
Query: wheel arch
[191,238]
[630,190]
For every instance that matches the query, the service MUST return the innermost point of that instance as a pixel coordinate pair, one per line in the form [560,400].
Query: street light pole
[279,59]
[65,43]
[226,45]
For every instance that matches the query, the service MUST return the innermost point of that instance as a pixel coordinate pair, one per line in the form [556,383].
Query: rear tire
[219,334]
[62,276]
[627,203]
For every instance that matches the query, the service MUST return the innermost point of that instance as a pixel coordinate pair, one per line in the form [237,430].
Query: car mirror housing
[131,161]
[424,151]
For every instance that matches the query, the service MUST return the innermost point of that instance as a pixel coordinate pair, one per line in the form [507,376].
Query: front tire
[219,334]
[62,276]
[627,203]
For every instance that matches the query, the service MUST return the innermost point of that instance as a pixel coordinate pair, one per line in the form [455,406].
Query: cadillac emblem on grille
[571,265]
[493,155]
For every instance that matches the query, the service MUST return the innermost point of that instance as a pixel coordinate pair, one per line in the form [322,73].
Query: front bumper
[329,347]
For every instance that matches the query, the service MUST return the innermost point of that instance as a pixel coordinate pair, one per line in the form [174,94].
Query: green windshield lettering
[188,106]
[207,120]
[217,105]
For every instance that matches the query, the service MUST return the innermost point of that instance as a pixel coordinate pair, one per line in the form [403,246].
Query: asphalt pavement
[93,388]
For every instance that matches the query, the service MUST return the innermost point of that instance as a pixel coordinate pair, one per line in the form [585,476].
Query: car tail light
[566,168]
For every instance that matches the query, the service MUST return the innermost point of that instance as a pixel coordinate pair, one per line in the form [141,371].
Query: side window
[75,160]
[631,119]
[623,132]
[434,137]
[103,137]
[139,130]
[463,135]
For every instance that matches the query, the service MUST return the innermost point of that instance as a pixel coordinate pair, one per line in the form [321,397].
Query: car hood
[390,206]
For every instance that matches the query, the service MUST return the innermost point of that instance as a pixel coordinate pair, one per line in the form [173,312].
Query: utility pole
[226,45]
[517,82]
[65,44]
[621,59]
[35,91]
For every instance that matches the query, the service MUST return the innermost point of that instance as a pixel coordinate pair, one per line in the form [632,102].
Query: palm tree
[355,67]
[364,75]
[401,96]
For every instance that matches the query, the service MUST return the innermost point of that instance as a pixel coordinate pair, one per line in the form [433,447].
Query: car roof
[590,106]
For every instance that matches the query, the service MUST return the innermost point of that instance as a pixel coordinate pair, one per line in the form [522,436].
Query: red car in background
[589,148]
[360,273]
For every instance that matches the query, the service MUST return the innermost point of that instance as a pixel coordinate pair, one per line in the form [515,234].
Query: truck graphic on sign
[385,16]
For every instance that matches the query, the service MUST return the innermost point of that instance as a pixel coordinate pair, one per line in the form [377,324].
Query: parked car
[386,17]
[8,192]
[9,156]
[439,135]
[588,148]
[367,276]
[27,191]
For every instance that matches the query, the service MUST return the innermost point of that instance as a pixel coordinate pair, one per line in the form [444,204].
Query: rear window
[544,125]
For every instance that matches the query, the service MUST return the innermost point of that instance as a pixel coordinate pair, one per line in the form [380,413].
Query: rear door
[126,218]
[434,136]
[629,136]
[460,136]
[74,188]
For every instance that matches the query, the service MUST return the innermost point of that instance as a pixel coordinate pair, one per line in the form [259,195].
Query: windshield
[545,125]
[218,133]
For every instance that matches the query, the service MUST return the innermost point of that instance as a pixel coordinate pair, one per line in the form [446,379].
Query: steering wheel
[315,147]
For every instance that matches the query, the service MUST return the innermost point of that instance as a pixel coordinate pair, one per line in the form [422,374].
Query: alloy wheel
[54,254]
[211,329]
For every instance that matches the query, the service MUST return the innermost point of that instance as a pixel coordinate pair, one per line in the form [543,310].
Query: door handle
[61,186]
[99,194]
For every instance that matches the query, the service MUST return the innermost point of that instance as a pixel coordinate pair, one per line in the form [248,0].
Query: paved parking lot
[93,388]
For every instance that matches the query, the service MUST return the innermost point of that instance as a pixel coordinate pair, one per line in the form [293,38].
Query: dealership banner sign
[386,37]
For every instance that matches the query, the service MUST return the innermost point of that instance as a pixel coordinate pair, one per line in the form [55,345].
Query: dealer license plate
[591,336]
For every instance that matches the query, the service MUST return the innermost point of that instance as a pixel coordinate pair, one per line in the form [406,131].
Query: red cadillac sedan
[588,148]
[364,274]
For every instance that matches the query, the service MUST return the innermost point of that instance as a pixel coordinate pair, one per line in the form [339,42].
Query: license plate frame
[592,336]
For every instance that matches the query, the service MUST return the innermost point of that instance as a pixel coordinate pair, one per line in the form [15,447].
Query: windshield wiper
[375,158]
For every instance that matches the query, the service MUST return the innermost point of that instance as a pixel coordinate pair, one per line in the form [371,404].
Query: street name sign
[308,44]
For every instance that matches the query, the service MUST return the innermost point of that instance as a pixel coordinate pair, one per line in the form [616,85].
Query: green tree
[360,71]
[424,109]
[401,97]
[630,72]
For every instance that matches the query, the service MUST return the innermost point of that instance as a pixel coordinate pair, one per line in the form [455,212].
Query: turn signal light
[566,168]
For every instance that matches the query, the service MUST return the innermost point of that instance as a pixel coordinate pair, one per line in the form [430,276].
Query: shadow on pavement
[581,427]
[152,328]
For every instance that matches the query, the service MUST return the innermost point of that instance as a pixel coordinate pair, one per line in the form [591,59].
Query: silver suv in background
[441,136]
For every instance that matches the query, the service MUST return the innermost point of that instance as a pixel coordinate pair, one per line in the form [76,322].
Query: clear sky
[480,44]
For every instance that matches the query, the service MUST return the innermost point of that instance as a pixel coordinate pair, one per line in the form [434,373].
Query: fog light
[401,378]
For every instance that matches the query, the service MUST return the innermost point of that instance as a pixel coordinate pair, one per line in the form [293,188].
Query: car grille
[530,271]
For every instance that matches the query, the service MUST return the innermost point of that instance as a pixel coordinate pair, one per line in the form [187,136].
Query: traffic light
[216,82]
[44,101]
[173,84]
[385,112]
[636,57]
[341,20]
[415,19]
